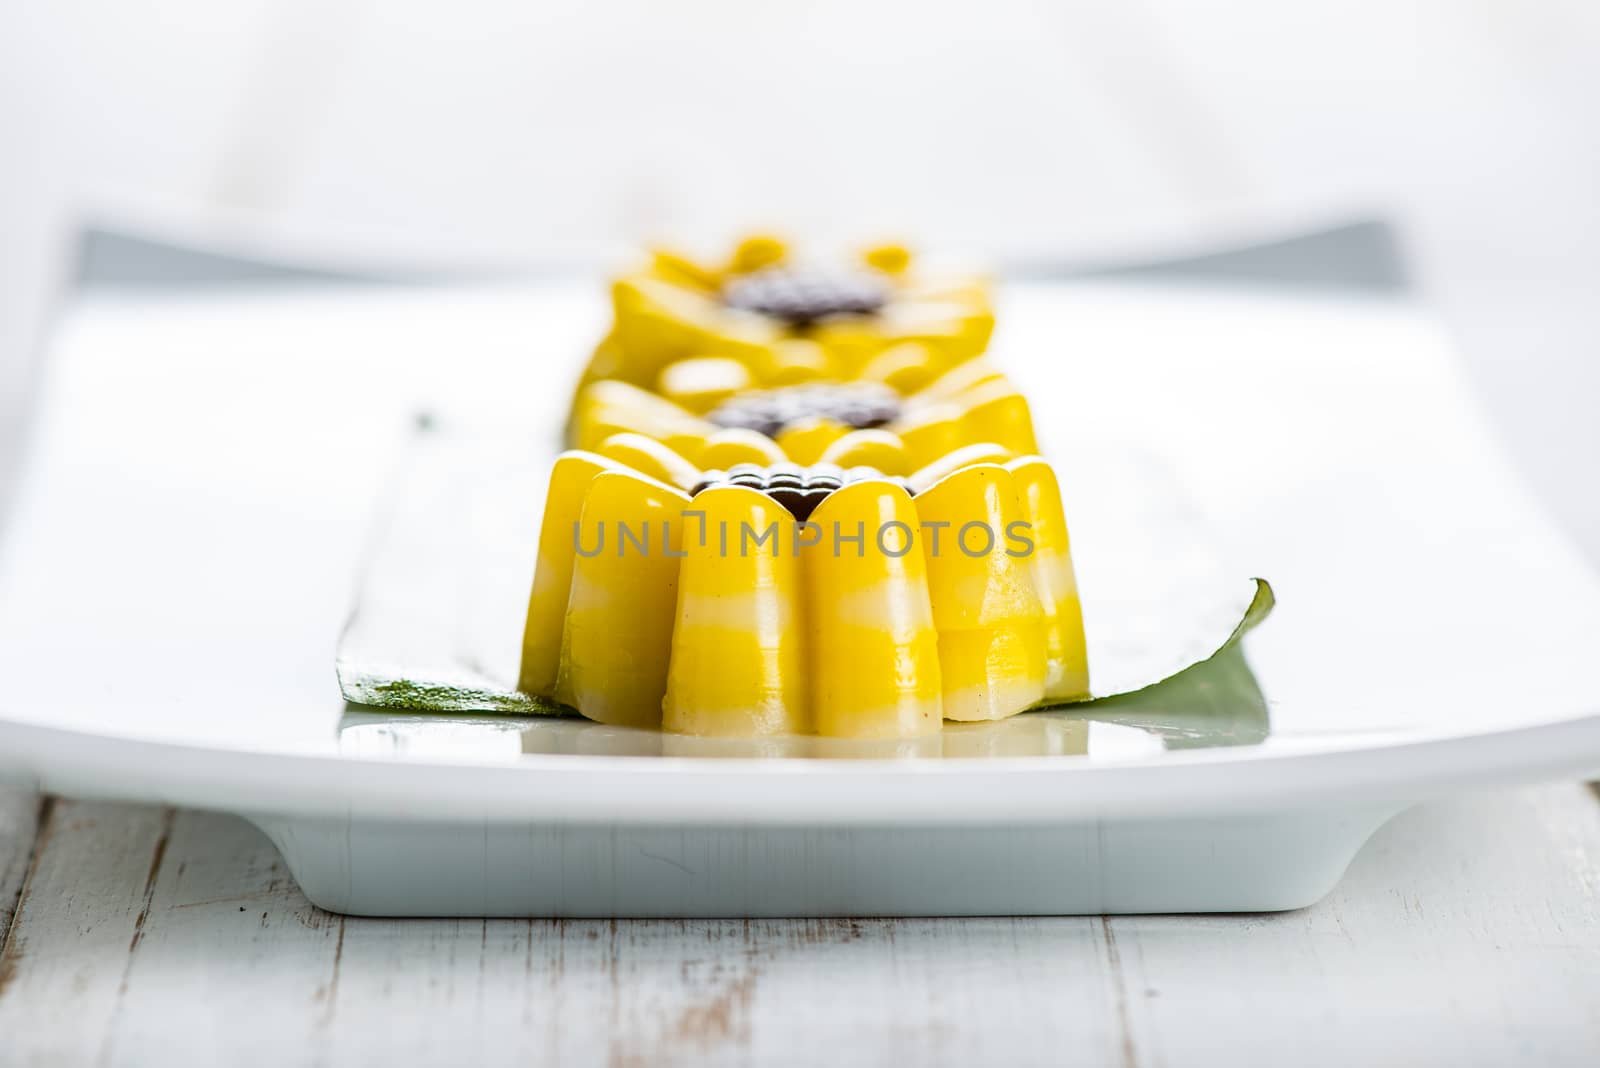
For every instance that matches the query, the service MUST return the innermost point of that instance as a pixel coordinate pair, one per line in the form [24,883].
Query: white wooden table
[1465,933]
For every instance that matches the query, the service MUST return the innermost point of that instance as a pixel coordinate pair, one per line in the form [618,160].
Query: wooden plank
[147,934]
[710,992]
[81,914]
[233,965]
[1466,933]
[202,950]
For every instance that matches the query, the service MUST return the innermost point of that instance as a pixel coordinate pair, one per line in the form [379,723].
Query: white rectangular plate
[198,499]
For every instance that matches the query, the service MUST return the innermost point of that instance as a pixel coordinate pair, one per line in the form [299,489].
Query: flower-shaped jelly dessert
[787,598]
[698,332]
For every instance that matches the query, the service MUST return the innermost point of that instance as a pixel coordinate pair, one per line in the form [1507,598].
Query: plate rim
[585,789]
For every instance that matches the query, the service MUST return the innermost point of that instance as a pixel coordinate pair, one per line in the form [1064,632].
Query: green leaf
[437,624]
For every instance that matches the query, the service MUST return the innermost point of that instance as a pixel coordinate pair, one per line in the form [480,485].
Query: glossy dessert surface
[765,601]
[842,493]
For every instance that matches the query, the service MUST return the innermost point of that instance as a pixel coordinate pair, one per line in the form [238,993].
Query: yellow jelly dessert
[858,596]
[699,332]
[800,500]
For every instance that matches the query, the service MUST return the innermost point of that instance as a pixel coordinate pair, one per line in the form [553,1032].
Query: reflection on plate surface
[1215,703]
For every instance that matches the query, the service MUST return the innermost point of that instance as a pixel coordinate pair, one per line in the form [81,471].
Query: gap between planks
[24,823]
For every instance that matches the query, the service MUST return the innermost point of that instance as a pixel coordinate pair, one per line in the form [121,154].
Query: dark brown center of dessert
[768,411]
[802,296]
[799,489]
